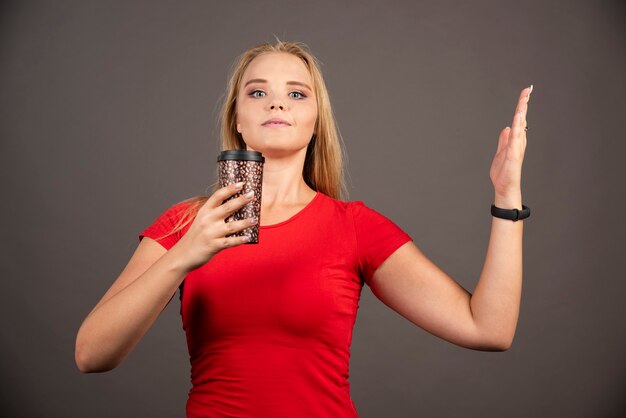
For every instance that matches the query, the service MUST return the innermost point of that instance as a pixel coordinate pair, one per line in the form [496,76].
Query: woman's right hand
[207,234]
[150,279]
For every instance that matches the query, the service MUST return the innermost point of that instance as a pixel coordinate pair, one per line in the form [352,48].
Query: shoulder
[358,208]
[171,224]
[375,236]
[183,206]
[178,212]
[356,213]
[342,205]
[180,208]
[354,209]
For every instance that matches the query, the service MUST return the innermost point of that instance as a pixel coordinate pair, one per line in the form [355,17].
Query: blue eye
[301,95]
[254,93]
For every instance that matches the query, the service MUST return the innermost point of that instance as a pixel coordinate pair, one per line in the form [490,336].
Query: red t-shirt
[269,325]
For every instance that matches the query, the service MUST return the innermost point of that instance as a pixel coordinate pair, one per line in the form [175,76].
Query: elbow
[82,361]
[83,364]
[493,342]
[86,362]
[87,365]
[499,344]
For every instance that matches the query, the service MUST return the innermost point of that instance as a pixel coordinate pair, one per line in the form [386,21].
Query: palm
[506,168]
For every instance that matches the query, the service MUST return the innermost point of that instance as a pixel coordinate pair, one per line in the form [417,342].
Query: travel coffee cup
[235,166]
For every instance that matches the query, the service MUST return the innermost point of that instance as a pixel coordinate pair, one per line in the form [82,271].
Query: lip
[276,122]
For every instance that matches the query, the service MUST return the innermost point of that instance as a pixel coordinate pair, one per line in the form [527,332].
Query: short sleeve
[160,229]
[377,238]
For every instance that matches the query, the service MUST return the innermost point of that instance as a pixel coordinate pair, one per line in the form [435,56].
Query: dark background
[108,116]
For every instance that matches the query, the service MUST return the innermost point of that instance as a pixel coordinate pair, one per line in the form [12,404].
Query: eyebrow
[261,80]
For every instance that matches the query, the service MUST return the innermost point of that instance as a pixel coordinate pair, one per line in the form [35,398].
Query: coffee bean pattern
[234,171]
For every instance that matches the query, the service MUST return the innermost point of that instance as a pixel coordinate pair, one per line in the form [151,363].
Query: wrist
[510,201]
[176,262]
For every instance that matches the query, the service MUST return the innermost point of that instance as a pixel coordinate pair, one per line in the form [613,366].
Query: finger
[237,226]
[233,205]
[224,193]
[519,119]
[525,127]
[523,142]
[232,241]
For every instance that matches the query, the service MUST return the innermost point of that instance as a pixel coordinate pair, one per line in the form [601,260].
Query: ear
[238,127]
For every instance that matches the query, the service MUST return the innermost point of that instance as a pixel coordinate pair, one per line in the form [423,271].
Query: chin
[278,147]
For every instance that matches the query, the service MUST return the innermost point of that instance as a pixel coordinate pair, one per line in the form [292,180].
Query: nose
[276,103]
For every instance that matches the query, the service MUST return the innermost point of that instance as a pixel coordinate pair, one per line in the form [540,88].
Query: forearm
[496,299]
[111,331]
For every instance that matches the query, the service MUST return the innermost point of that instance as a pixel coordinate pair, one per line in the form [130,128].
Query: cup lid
[240,154]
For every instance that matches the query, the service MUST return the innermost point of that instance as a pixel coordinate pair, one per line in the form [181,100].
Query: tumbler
[235,166]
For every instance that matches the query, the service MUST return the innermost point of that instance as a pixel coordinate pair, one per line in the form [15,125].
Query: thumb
[504,139]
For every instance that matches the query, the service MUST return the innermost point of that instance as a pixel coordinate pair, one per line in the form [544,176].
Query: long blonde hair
[323,165]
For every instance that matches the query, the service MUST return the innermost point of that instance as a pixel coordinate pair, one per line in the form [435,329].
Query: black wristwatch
[510,214]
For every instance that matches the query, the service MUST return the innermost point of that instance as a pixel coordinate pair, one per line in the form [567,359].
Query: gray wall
[108,116]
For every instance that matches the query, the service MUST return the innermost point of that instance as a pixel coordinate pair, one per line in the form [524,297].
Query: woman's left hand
[506,168]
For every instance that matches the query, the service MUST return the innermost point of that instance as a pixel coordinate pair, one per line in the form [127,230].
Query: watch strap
[510,214]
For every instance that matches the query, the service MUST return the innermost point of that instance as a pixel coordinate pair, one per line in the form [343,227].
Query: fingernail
[249,195]
[239,185]
[528,95]
[252,221]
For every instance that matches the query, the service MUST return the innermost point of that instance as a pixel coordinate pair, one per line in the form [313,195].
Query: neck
[283,183]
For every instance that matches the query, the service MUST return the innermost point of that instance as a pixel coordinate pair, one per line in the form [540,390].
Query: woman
[269,325]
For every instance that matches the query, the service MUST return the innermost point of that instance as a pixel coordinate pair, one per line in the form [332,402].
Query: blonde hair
[323,165]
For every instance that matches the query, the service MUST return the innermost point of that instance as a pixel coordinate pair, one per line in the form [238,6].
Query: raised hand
[506,168]
[207,234]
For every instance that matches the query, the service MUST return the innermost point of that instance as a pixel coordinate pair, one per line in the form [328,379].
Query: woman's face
[276,85]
